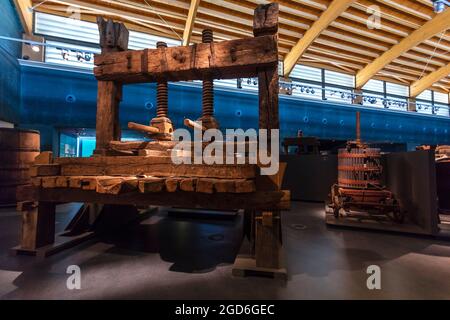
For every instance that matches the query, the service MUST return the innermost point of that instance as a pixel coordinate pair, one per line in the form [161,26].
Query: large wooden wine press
[123,175]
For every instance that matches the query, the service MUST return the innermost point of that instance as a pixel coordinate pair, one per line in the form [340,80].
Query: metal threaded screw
[162,92]
[208,84]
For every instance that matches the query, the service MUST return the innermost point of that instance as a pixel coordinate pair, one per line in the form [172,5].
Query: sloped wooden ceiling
[345,44]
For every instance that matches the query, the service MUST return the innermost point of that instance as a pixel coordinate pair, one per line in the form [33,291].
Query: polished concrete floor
[191,257]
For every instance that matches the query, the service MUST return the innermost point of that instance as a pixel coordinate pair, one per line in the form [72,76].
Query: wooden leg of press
[266,256]
[38,226]
[268,249]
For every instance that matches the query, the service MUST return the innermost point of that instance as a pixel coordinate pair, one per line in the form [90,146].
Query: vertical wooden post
[114,37]
[107,120]
[268,224]
[38,226]
[266,23]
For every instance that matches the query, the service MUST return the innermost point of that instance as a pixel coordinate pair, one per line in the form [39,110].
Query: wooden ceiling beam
[190,22]
[426,82]
[439,23]
[327,17]
[23,8]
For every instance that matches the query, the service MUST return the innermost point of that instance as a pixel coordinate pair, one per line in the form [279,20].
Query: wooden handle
[143,128]
[193,125]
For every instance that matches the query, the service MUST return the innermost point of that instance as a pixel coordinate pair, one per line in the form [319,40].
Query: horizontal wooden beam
[328,16]
[426,82]
[262,200]
[439,23]
[154,166]
[224,60]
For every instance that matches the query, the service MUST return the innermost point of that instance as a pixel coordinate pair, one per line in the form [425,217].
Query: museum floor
[178,257]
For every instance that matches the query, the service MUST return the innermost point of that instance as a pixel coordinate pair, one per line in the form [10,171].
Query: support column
[38,225]
[107,119]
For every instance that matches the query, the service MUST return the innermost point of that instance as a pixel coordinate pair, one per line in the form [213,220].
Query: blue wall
[44,107]
[9,69]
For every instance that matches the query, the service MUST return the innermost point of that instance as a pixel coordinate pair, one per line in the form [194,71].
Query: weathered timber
[225,186]
[107,119]
[268,247]
[38,226]
[116,185]
[245,186]
[138,145]
[113,35]
[153,153]
[151,184]
[26,205]
[205,185]
[172,184]
[265,19]
[45,157]
[83,182]
[265,23]
[152,166]
[225,60]
[48,182]
[188,184]
[142,128]
[273,200]
[62,182]
[45,170]
[36,181]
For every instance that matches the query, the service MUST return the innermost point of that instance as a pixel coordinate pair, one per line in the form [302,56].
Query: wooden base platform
[369,224]
[61,243]
[245,266]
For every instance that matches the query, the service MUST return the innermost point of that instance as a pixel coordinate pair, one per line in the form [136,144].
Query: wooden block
[205,185]
[225,186]
[188,184]
[268,249]
[172,184]
[45,157]
[26,205]
[75,182]
[116,185]
[45,170]
[38,226]
[109,185]
[265,19]
[89,183]
[153,153]
[36,181]
[245,186]
[246,266]
[267,219]
[152,184]
[48,182]
[62,182]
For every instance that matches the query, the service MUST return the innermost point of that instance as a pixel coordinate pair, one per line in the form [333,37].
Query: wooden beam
[336,8]
[239,58]
[25,14]
[421,85]
[439,23]
[262,200]
[190,22]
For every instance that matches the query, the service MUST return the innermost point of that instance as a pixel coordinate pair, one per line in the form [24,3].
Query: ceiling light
[439,5]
